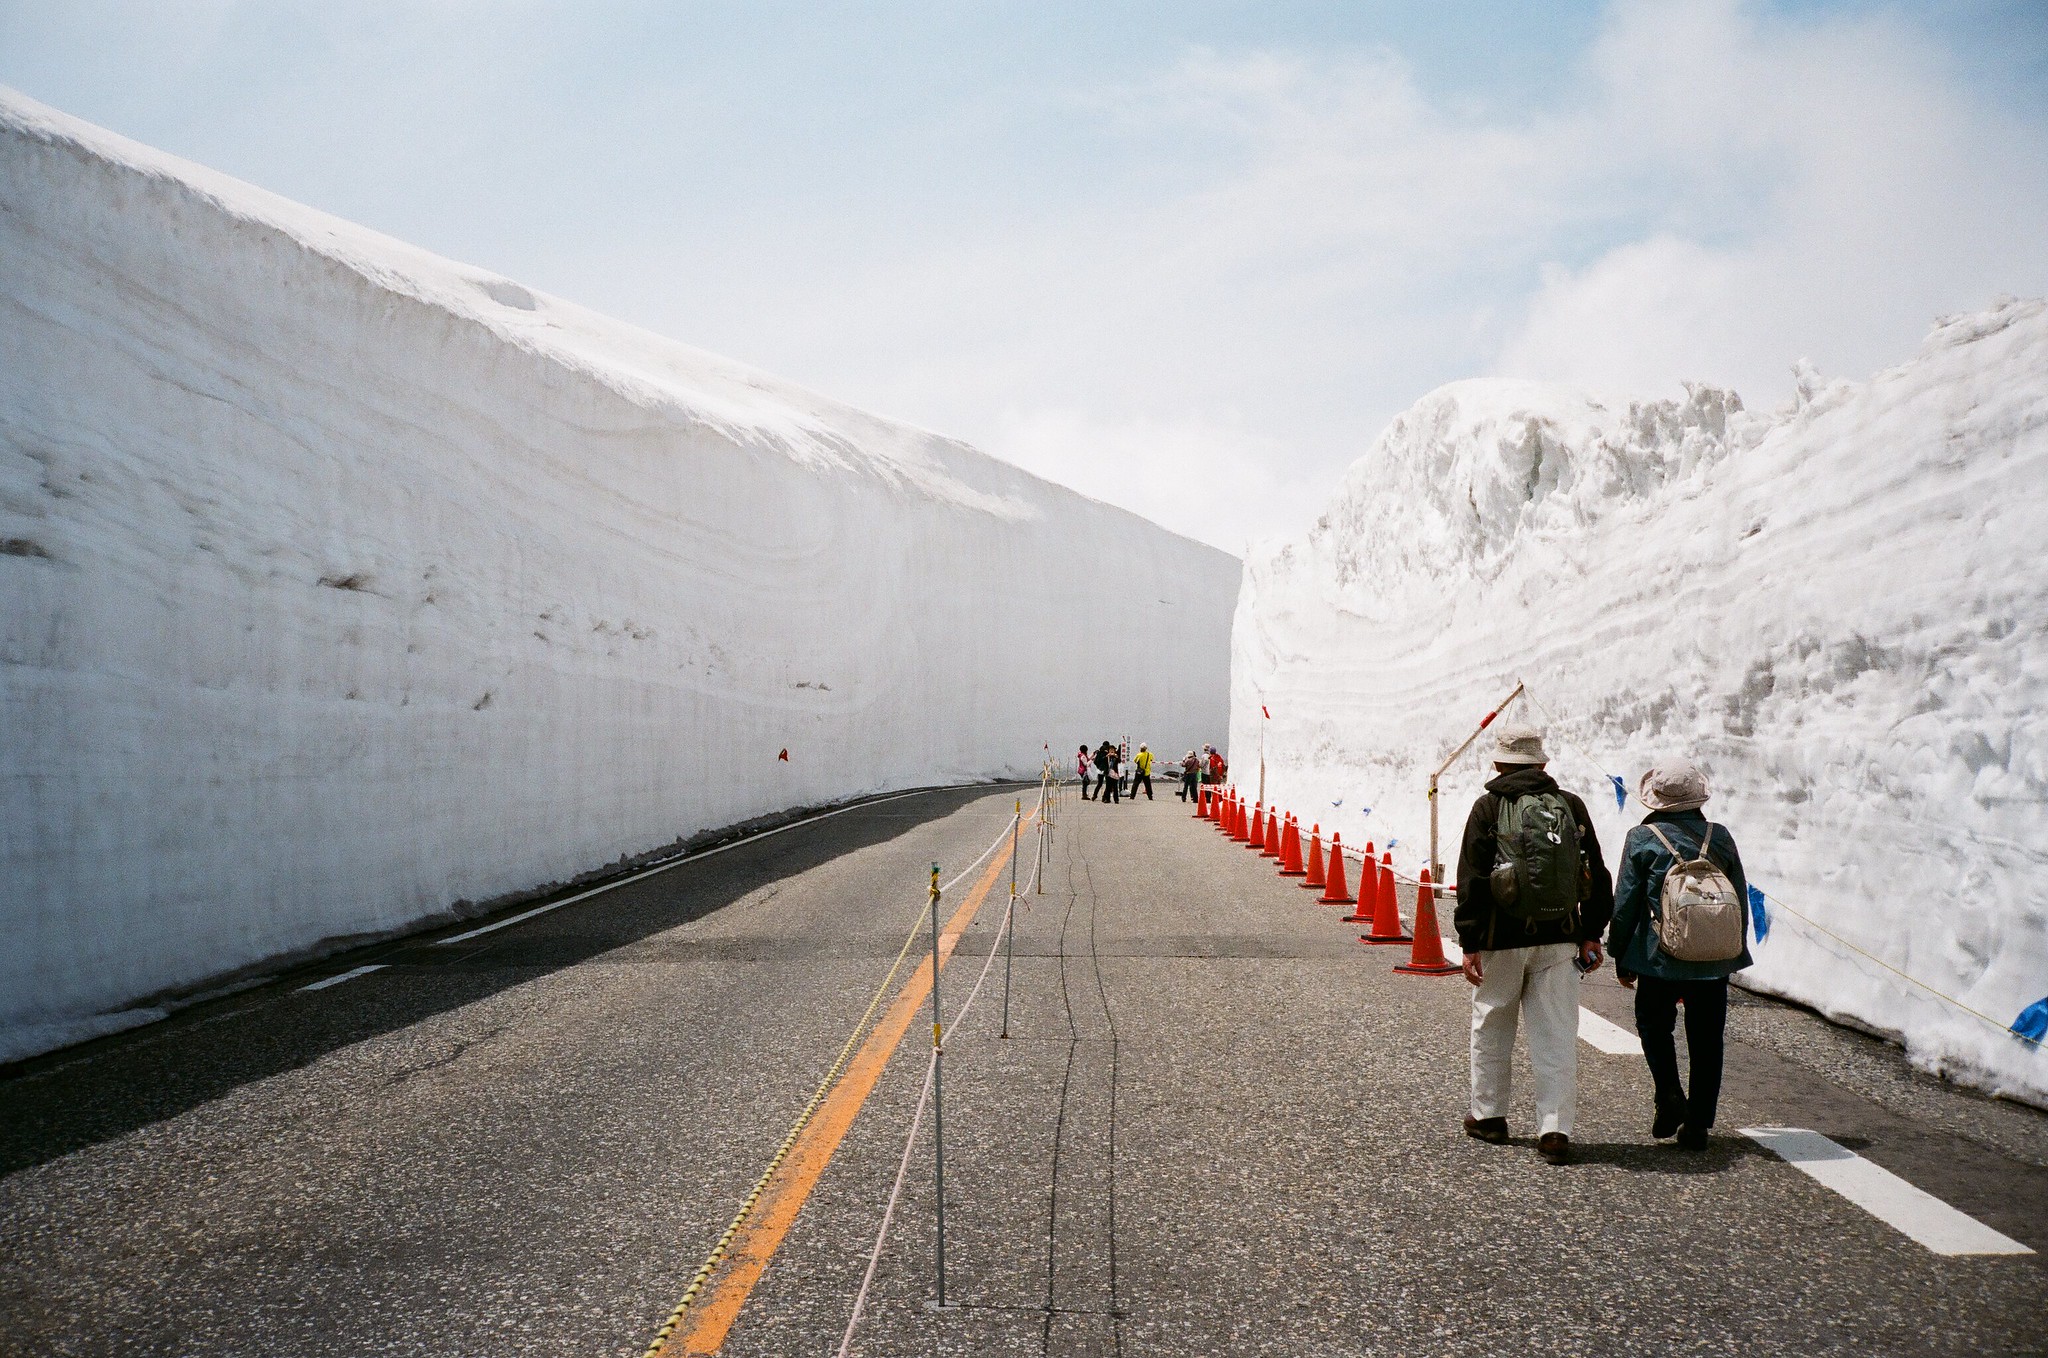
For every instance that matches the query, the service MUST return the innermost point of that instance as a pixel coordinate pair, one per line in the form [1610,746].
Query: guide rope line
[860,1299]
[753,1197]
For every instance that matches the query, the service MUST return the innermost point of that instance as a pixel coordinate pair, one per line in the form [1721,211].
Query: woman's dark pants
[1706,1014]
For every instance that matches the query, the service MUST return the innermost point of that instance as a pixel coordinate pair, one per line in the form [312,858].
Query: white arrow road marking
[1906,1209]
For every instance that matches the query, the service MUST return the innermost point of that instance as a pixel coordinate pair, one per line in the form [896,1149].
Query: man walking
[1533,897]
[1190,777]
[1144,775]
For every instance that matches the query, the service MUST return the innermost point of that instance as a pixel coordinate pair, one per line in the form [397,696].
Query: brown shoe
[1555,1147]
[1493,1131]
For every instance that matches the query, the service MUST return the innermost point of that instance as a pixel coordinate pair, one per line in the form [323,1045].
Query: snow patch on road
[1840,609]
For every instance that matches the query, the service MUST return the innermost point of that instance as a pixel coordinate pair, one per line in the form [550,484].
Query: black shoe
[1555,1147]
[1493,1131]
[1692,1138]
[1670,1117]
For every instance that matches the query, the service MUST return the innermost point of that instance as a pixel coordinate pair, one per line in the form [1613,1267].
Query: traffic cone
[1368,888]
[1290,850]
[1386,917]
[1427,957]
[1313,878]
[1240,825]
[1276,835]
[1334,890]
[1256,840]
[1201,803]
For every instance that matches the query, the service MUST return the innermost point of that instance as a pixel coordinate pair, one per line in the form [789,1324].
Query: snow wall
[1841,610]
[341,584]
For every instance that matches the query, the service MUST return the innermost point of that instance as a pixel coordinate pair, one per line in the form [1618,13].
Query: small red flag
[784,756]
[1262,708]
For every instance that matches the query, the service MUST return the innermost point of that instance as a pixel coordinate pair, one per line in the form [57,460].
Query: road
[1220,1125]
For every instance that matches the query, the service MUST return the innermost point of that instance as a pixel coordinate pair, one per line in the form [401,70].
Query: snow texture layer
[1841,610]
[340,584]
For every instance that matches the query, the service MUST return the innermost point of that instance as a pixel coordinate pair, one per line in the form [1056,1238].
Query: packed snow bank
[1841,610]
[340,583]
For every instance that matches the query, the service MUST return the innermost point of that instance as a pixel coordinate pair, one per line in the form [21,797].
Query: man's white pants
[1541,984]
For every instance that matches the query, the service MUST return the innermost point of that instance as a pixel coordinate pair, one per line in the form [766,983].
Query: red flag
[784,756]
[1262,708]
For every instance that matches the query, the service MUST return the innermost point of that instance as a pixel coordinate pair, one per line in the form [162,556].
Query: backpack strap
[1676,856]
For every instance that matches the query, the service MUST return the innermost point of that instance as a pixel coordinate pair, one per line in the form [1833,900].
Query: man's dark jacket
[1481,928]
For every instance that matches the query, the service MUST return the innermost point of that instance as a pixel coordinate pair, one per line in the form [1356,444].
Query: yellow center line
[711,1319]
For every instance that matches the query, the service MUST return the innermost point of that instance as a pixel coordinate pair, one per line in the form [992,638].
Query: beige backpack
[1701,916]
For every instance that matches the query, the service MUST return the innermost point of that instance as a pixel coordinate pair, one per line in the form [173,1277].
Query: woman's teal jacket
[1632,938]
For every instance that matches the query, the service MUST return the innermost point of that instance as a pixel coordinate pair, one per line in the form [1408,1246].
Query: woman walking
[1679,933]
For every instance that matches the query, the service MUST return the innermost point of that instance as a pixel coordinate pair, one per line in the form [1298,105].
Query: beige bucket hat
[1519,745]
[1673,785]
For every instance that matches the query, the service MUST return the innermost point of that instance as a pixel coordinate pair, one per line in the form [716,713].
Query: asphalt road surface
[1220,1125]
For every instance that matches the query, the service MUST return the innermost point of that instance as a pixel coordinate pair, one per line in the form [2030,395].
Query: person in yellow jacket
[1144,777]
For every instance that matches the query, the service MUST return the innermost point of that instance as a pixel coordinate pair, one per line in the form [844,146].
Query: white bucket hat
[1673,785]
[1519,745]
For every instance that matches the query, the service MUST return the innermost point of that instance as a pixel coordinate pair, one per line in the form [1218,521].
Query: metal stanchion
[938,1095]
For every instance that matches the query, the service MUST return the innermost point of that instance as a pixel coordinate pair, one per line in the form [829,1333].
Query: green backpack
[1536,875]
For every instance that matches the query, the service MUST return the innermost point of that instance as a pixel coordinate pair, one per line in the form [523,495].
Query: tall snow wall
[340,584]
[1841,610]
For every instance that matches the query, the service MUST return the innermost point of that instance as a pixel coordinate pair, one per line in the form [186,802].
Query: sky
[1186,257]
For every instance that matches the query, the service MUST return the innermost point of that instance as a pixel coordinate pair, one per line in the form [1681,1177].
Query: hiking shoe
[1555,1147]
[1670,1117]
[1493,1131]
[1692,1138]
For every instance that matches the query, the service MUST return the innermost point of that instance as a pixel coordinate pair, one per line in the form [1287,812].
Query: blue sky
[1187,257]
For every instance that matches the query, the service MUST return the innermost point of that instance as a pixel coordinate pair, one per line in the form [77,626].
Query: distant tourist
[1142,777]
[1533,896]
[1218,770]
[1680,930]
[1083,765]
[1190,776]
[1105,765]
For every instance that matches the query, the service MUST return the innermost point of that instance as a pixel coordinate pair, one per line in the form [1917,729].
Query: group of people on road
[1111,773]
[1535,897]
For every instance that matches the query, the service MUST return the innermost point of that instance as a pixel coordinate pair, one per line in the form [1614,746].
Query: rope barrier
[753,1197]
[860,1299]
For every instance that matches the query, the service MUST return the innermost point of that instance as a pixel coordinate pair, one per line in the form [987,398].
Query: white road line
[1914,1213]
[647,872]
[345,976]
[1611,1038]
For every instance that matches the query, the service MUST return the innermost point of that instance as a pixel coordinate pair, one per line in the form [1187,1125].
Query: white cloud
[1840,190]
[1710,195]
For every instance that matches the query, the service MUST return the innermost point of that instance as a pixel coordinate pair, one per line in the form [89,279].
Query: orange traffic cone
[1240,827]
[1386,916]
[1427,957]
[1201,803]
[1276,835]
[1290,850]
[1313,878]
[1256,840]
[1368,888]
[1334,890]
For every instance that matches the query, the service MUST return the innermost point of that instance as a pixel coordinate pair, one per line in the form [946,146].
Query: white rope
[984,856]
[860,1300]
